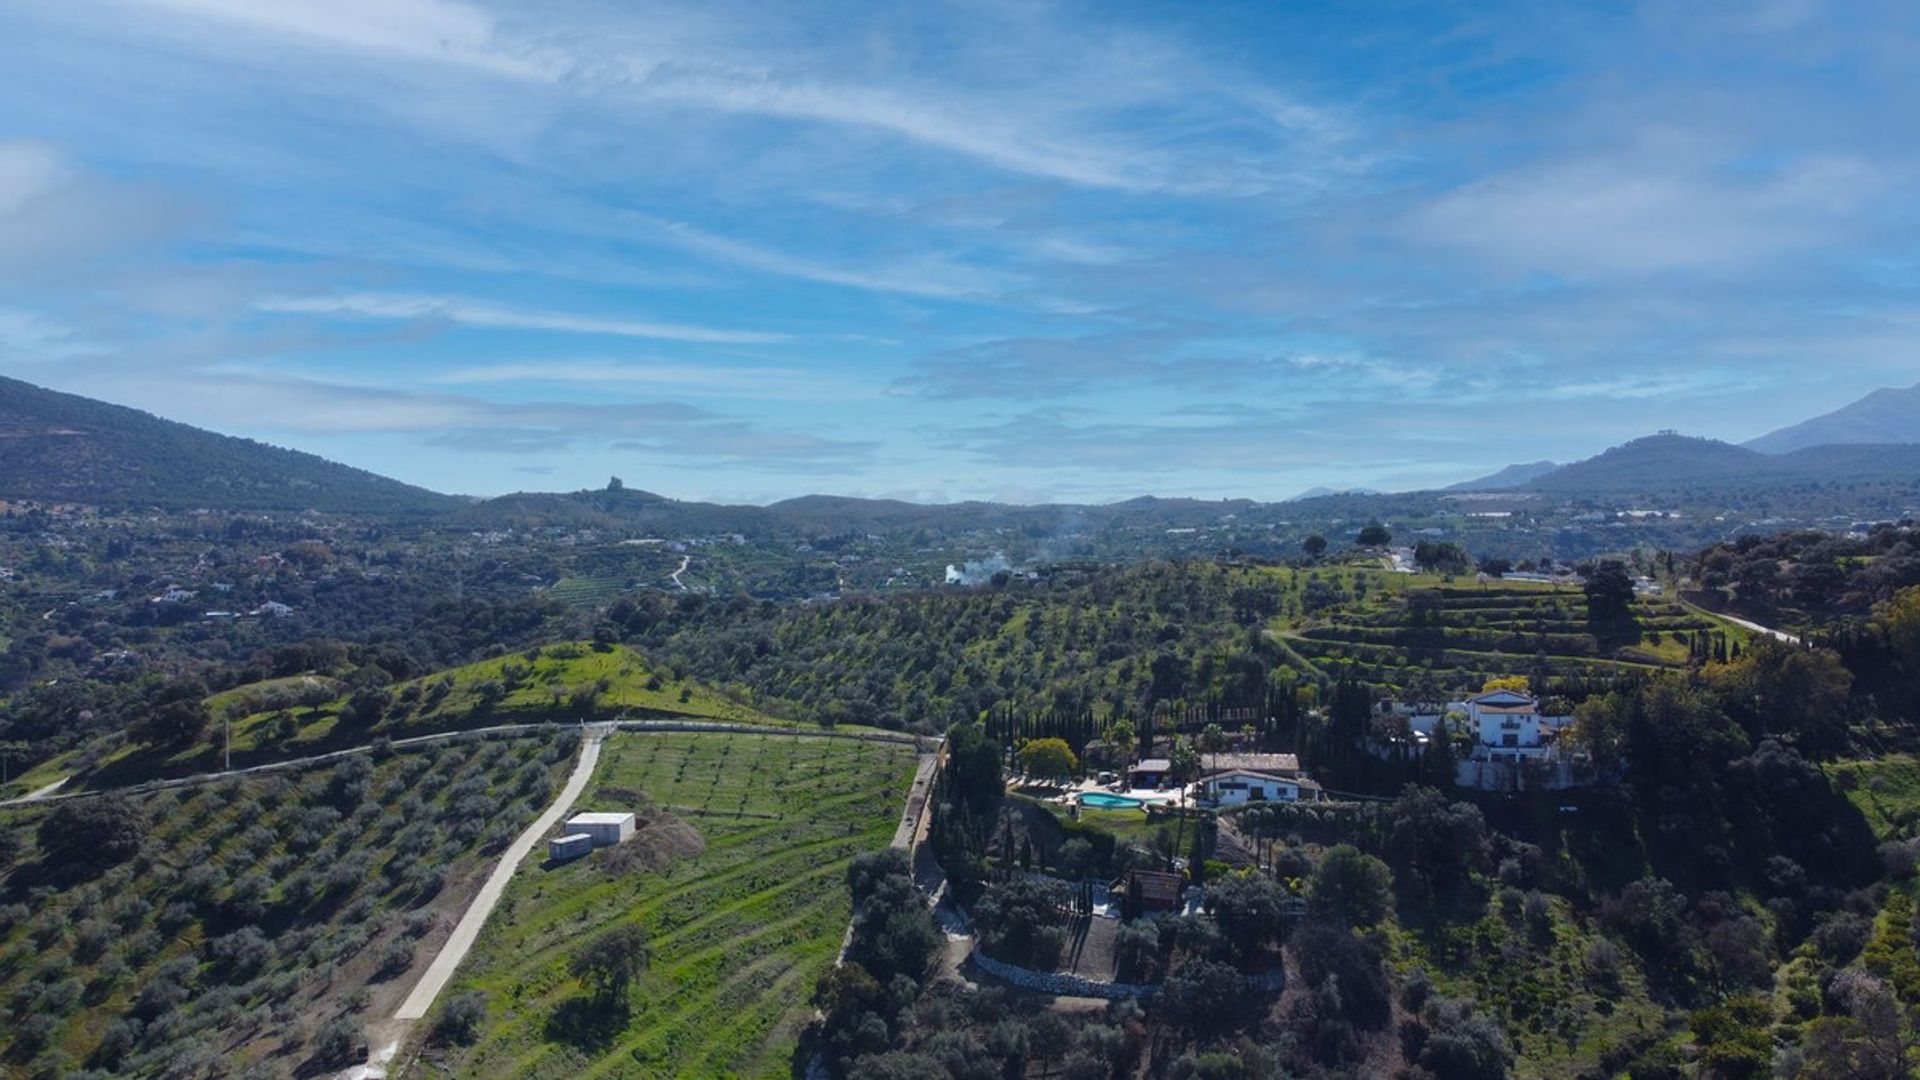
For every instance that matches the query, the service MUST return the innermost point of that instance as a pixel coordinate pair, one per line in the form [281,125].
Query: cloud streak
[463,312]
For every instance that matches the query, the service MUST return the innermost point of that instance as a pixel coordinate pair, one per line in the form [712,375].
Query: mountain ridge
[1887,415]
[57,447]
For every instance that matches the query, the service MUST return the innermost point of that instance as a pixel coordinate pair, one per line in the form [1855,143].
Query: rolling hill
[1667,462]
[1887,415]
[1508,478]
[58,447]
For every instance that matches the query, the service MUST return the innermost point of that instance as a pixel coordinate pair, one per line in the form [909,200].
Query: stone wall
[1057,983]
[1053,982]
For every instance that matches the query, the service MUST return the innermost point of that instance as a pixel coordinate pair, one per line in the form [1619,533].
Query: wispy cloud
[674,58]
[28,337]
[927,275]
[440,31]
[1024,368]
[1651,211]
[790,384]
[53,215]
[470,424]
[480,314]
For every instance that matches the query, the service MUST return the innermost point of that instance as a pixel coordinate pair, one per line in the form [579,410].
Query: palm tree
[1183,769]
[1213,739]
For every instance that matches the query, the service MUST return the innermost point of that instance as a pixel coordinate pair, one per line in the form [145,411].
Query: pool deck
[1144,796]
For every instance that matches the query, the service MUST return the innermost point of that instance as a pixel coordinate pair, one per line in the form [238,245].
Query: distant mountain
[1506,479]
[1327,492]
[1669,462]
[1884,416]
[58,447]
[1653,462]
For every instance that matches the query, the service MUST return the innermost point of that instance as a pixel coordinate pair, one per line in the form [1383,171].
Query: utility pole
[229,719]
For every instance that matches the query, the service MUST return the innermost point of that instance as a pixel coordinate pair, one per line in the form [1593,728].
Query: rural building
[1514,747]
[1237,786]
[1272,764]
[1150,890]
[570,846]
[1150,773]
[606,829]
[1508,722]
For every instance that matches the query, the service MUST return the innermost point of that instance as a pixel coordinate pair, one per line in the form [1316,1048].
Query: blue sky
[985,250]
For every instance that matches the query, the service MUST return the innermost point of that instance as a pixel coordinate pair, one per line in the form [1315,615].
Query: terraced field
[586,592]
[739,931]
[1396,630]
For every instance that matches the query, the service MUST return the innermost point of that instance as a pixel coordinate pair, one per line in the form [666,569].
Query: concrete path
[37,793]
[464,934]
[1778,635]
[913,818]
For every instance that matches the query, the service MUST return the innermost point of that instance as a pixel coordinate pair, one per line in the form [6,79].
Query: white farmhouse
[1507,725]
[1237,786]
[1514,747]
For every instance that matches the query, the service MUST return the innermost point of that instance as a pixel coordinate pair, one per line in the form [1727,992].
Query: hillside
[1888,415]
[250,927]
[1512,476]
[1668,462]
[316,713]
[737,881]
[59,447]
[1654,461]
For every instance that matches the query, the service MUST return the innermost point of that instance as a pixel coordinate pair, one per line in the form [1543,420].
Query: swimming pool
[1109,802]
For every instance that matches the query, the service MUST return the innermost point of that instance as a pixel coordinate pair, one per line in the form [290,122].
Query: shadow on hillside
[587,1023]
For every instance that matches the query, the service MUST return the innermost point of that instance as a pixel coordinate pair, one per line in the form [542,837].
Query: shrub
[1326,953]
[1207,997]
[237,956]
[461,1019]
[395,958]
[92,834]
[1351,887]
[1462,1046]
[338,1042]
[608,963]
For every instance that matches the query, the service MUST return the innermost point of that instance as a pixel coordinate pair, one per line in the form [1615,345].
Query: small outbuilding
[570,846]
[1148,891]
[606,828]
[1151,773]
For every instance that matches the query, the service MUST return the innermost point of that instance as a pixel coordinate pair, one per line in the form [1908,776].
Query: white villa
[1514,747]
[1236,786]
[1507,726]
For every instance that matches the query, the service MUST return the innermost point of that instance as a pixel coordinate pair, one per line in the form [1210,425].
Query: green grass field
[590,591]
[740,931]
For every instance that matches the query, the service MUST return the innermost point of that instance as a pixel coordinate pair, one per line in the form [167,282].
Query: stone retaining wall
[1057,983]
[1054,982]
